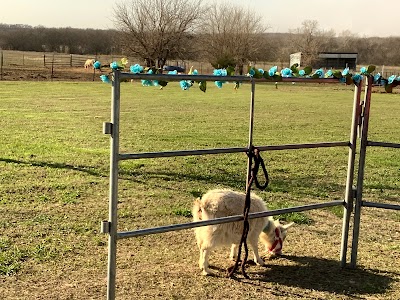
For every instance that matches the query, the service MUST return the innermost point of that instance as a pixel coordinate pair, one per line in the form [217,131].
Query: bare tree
[232,35]
[347,41]
[157,30]
[309,39]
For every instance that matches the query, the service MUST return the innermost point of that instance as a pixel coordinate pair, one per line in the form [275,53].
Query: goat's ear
[287,226]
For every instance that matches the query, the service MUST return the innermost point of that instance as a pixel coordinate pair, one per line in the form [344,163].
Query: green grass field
[54,167]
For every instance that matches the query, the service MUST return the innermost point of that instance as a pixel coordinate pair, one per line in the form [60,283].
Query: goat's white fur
[221,203]
[89,63]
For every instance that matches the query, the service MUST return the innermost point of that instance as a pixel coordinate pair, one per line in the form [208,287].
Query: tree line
[222,34]
[59,40]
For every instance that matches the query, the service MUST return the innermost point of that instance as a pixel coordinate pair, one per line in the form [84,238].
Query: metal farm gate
[353,195]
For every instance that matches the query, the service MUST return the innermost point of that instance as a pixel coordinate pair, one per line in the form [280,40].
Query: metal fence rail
[229,150]
[380,205]
[383,144]
[162,229]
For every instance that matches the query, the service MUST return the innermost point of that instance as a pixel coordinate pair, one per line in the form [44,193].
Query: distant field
[54,167]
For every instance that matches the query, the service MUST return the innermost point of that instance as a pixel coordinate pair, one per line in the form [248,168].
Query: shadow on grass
[326,276]
[306,185]
[218,177]
[86,169]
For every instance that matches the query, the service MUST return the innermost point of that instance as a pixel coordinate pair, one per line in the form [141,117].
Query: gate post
[349,196]
[361,167]
[113,192]
[1,65]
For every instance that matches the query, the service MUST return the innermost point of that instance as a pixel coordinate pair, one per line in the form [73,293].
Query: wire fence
[46,59]
[28,59]
[27,65]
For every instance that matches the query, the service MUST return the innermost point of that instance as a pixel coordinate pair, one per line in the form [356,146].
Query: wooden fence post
[1,65]
[52,68]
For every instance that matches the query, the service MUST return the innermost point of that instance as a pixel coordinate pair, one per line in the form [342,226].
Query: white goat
[222,203]
[89,63]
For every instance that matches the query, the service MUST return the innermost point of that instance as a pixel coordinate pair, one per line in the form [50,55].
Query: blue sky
[370,18]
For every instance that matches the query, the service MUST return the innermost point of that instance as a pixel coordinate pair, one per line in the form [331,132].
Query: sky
[365,18]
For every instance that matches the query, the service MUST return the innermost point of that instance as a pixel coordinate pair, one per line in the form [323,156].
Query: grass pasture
[54,166]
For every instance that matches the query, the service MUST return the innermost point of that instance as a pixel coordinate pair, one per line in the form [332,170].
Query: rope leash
[253,153]
[259,161]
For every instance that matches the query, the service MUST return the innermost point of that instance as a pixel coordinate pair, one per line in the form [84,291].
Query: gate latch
[107,127]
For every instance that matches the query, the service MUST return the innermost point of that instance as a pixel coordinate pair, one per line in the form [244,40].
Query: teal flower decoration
[272,71]
[364,71]
[391,79]
[286,72]
[114,65]
[97,65]
[261,71]
[105,79]
[302,73]
[328,74]
[146,82]
[220,72]
[173,72]
[252,72]
[185,85]
[377,78]
[357,78]
[320,73]
[345,72]
[136,69]
[218,84]
[217,72]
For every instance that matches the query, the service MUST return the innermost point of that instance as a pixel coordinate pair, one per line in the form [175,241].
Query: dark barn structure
[329,60]
[334,60]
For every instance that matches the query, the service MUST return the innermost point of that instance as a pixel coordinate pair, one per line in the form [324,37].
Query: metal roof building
[329,60]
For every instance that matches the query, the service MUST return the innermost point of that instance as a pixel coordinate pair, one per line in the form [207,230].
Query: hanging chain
[253,153]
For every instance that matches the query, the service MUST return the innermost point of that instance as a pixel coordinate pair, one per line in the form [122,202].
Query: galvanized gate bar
[380,205]
[181,153]
[348,207]
[361,167]
[302,146]
[175,227]
[126,156]
[383,144]
[179,77]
